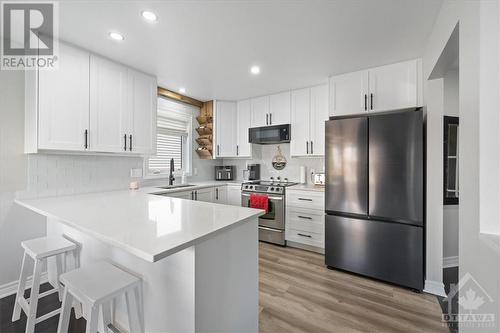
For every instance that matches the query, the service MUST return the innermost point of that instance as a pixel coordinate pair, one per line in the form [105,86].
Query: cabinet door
[319,114]
[243,118]
[182,195]
[393,86]
[260,111]
[205,194]
[109,111]
[301,105]
[234,195]
[279,108]
[225,135]
[63,102]
[220,194]
[142,104]
[349,93]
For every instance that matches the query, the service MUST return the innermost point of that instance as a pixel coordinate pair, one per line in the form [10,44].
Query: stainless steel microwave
[269,134]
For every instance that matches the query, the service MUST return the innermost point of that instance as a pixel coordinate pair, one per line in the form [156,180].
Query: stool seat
[44,247]
[97,286]
[99,281]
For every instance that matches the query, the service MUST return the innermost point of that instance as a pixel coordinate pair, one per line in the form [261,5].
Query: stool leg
[92,320]
[76,261]
[140,306]
[20,289]
[30,324]
[106,315]
[133,318]
[65,315]
[59,271]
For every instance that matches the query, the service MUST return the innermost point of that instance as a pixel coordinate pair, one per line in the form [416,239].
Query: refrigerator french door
[374,196]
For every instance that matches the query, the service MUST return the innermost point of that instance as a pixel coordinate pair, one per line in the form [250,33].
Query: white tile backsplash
[263,155]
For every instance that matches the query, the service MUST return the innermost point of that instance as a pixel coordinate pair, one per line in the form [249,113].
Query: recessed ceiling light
[116,36]
[255,70]
[149,16]
[182,90]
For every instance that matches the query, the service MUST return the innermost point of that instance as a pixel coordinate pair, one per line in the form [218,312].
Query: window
[173,139]
[451,189]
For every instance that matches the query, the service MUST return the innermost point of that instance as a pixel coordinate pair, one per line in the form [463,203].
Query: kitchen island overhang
[198,261]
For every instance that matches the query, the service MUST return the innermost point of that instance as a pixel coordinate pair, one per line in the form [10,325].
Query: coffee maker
[252,172]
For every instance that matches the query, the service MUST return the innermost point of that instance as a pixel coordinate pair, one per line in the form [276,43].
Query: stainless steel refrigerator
[374,197]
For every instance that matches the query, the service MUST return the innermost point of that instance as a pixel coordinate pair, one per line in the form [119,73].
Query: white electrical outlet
[136,173]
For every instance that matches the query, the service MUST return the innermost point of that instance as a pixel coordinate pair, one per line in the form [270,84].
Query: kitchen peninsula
[198,261]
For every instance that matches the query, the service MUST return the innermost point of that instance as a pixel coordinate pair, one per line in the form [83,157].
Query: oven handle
[270,198]
[270,229]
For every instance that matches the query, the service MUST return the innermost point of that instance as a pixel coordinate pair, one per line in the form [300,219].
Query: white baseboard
[435,288]
[450,262]
[11,287]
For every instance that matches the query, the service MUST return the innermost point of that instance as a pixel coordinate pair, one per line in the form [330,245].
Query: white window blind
[173,129]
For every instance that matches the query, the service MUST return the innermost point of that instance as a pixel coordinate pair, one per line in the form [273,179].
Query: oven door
[275,218]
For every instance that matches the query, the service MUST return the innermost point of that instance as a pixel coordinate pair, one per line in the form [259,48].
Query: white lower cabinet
[183,195]
[220,194]
[233,194]
[204,194]
[305,219]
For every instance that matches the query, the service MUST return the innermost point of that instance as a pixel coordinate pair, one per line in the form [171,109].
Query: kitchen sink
[170,187]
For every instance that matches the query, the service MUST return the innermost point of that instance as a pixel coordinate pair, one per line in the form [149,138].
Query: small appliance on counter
[318,179]
[252,172]
[224,172]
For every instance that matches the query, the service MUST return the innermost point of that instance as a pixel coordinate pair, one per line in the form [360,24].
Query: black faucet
[171,175]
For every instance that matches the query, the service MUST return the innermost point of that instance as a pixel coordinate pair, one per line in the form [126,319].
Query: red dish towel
[259,201]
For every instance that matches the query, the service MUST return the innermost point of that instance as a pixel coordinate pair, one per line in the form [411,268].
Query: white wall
[478,254]
[263,155]
[450,212]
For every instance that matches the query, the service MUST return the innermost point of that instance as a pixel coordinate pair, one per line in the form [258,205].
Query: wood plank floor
[299,294]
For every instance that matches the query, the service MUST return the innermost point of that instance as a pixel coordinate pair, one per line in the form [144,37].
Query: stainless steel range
[272,224]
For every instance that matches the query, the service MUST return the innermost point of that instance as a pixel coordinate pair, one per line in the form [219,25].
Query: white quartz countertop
[306,187]
[149,226]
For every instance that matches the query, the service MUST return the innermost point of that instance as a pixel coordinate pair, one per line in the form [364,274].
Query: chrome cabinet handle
[237,150]
[267,118]
[312,151]
[86,144]
[304,199]
[371,101]
[304,217]
[130,142]
[125,142]
[216,194]
[270,118]
[366,102]
[307,147]
[218,150]
[304,235]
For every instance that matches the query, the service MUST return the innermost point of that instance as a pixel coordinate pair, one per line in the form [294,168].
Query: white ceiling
[208,46]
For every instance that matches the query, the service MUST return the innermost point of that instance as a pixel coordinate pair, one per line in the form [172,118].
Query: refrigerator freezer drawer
[387,251]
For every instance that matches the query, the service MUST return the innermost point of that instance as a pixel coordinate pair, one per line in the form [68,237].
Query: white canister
[303,175]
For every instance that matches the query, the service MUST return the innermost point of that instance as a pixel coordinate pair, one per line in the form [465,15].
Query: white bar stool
[97,286]
[40,249]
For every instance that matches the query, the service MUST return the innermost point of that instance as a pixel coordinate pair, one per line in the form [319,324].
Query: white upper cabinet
[384,88]
[90,104]
[301,106]
[63,103]
[243,120]
[318,116]
[109,109]
[225,122]
[279,108]
[260,111]
[309,113]
[394,86]
[142,122]
[349,93]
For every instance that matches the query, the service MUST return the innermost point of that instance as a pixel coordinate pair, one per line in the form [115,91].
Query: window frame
[186,112]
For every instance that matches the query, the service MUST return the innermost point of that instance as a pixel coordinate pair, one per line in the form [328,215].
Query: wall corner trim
[435,288]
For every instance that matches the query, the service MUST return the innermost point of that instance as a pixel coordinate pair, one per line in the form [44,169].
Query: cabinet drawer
[306,237]
[306,199]
[306,220]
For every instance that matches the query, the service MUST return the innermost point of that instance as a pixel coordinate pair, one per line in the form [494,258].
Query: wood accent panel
[179,97]
[205,131]
[299,294]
